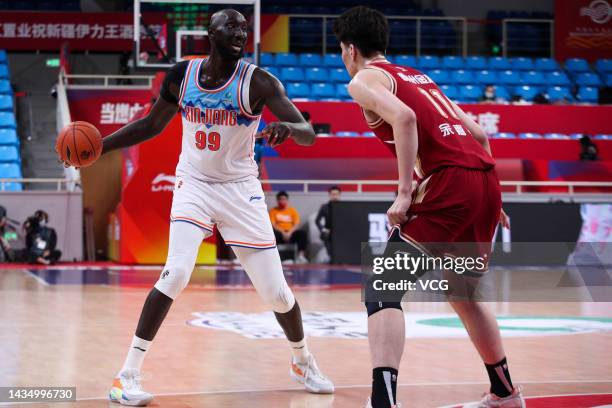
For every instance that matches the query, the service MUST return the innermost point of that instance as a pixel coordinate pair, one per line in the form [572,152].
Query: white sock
[136,354]
[299,349]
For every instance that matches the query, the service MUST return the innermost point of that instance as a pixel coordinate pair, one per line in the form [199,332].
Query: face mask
[43,223]
[489,94]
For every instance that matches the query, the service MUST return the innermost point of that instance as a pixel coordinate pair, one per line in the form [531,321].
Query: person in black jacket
[41,240]
[324,221]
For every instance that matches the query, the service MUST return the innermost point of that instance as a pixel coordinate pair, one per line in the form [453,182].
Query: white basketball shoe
[309,374]
[126,390]
[514,400]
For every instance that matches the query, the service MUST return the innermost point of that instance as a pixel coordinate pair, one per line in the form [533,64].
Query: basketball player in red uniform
[457,198]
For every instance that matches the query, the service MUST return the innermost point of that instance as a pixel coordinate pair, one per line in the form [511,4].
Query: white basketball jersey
[218,127]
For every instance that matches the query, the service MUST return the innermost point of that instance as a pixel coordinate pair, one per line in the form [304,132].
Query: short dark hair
[306,115]
[365,28]
[332,188]
[282,194]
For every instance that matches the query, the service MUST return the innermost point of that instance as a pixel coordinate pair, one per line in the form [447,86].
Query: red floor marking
[566,401]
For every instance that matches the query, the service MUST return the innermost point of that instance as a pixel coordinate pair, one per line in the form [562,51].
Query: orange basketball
[79,144]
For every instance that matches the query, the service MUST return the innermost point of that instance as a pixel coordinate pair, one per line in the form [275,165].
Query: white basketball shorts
[238,209]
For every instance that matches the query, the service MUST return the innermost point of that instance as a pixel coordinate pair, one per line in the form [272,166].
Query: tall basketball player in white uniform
[220,99]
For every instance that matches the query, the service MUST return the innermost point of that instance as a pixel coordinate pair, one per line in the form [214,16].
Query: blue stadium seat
[339,75]
[557,78]
[7,120]
[556,93]
[502,92]
[285,59]
[546,64]
[10,170]
[368,134]
[322,90]
[462,77]
[316,75]
[450,91]
[476,62]
[577,65]
[469,93]
[529,135]
[576,136]
[405,60]
[509,77]
[292,74]
[347,133]
[588,94]
[521,64]
[499,63]
[588,79]
[272,70]
[9,154]
[298,90]
[266,58]
[608,79]
[342,92]
[439,76]
[333,61]
[310,60]
[3,59]
[452,62]
[503,135]
[4,72]
[486,77]
[526,92]
[6,103]
[556,136]
[8,137]
[604,65]
[602,137]
[429,62]
[533,78]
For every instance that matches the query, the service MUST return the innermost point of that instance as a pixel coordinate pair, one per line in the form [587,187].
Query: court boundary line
[421,384]
[40,280]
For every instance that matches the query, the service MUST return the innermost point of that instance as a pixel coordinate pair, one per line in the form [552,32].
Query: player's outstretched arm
[266,90]
[370,89]
[142,129]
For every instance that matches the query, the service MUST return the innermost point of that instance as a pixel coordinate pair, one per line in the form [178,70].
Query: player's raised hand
[276,133]
[398,212]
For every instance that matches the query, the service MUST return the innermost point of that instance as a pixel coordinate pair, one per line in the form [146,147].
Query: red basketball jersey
[444,141]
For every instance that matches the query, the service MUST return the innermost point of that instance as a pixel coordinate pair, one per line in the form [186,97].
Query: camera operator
[41,240]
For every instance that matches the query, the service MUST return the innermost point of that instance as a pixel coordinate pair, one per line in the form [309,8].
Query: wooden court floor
[77,335]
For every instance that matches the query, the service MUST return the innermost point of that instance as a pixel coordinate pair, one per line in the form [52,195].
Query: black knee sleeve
[373,307]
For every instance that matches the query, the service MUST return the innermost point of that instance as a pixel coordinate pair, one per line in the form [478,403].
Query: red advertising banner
[493,118]
[583,29]
[82,31]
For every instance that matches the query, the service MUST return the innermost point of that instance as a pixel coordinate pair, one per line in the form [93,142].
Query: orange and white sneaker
[126,390]
[514,400]
[309,374]
[369,404]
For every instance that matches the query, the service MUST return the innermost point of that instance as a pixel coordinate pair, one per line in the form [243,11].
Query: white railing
[418,19]
[572,187]
[549,22]
[72,81]
[66,183]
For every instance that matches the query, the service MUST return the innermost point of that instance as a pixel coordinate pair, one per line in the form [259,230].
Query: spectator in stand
[588,149]
[286,221]
[490,96]
[306,116]
[41,240]
[324,221]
